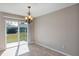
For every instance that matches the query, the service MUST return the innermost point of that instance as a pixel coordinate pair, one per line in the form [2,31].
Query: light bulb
[30,17]
[26,18]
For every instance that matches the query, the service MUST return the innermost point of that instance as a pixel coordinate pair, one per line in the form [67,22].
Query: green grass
[23,36]
[14,37]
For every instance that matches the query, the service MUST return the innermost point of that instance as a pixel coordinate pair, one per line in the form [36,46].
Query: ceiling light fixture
[29,18]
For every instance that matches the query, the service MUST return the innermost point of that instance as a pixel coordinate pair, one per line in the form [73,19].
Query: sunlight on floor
[15,51]
[15,44]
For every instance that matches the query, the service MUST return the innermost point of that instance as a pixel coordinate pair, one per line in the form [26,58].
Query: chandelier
[29,18]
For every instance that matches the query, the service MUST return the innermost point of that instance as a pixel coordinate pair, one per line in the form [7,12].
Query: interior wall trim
[66,54]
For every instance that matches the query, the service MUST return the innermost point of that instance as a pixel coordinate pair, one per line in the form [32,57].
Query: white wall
[2,33]
[59,30]
[30,33]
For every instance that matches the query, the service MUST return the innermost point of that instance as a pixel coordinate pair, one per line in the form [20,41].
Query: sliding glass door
[23,32]
[12,33]
[16,32]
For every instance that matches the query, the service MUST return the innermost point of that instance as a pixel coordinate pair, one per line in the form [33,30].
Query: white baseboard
[54,49]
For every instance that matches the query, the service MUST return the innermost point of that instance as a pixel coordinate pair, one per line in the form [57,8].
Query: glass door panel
[23,32]
[12,33]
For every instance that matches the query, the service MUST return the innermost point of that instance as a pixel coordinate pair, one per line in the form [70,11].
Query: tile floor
[29,50]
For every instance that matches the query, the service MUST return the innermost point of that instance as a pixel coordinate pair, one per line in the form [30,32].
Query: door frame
[18,36]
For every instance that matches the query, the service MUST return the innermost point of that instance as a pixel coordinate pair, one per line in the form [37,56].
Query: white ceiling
[38,9]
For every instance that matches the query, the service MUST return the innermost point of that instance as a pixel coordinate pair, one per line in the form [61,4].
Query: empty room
[39,29]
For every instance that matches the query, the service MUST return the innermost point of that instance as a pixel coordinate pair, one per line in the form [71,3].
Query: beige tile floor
[29,50]
[36,50]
